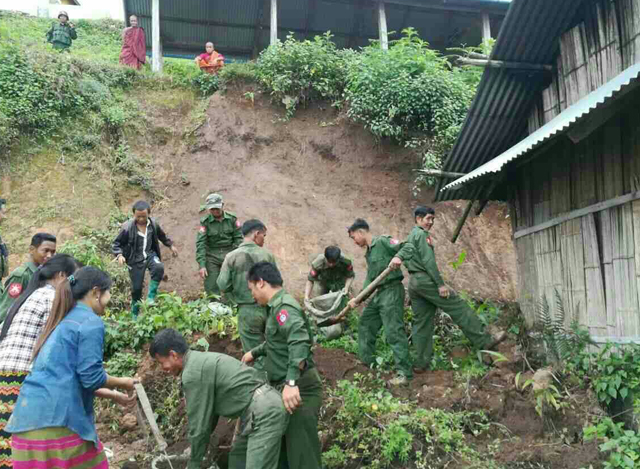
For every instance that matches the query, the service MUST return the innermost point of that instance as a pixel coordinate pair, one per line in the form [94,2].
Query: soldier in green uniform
[289,365]
[386,308]
[232,282]
[4,251]
[61,34]
[218,235]
[217,385]
[428,292]
[332,271]
[43,247]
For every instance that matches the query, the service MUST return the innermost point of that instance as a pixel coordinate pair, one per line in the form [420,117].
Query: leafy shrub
[296,72]
[622,445]
[122,364]
[617,373]
[237,73]
[206,84]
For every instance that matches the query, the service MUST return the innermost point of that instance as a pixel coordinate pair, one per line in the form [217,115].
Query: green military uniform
[60,36]
[331,278]
[423,291]
[232,281]
[386,308]
[287,345]
[15,284]
[216,238]
[4,259]
[217,385]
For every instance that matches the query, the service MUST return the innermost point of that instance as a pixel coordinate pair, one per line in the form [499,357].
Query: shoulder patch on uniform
[14,290]
[349,267]
[238,224]
[394,241]
[202,229]
[282,317]
[314,273]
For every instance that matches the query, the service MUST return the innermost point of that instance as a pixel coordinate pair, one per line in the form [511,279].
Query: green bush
[237,73]
[206,84]
[296,72]
[617,373]
[622,446]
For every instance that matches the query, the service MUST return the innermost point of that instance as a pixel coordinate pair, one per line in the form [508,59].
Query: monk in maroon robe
[134,45]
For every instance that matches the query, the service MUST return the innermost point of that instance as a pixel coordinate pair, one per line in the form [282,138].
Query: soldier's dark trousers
[425,299]
[252,320]
[386,309]
[303,450]
[215,258]
[136,274]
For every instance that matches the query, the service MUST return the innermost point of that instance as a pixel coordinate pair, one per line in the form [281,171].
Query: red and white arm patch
[202,230]
[282,317]
[429,241]
[238,224]
[313,273]
[14,290]
[350,267]
[394,241]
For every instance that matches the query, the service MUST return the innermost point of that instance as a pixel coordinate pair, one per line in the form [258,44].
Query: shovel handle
[364,293]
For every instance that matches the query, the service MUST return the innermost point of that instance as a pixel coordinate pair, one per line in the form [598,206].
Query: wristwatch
[291,383]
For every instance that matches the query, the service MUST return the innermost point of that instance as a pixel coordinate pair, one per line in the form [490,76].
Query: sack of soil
[324,307]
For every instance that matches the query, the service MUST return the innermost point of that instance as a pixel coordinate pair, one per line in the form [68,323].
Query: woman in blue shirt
[53,420]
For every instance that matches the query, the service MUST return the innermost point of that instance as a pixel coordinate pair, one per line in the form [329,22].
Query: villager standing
[218,385]
[289,364]
[232,283]
[53,420]
[218,235]
[4,251]
[333,271]
[428,292]
[42,248]
[20,330]
[138,244]
[134,45]
[62,33]
[386,308]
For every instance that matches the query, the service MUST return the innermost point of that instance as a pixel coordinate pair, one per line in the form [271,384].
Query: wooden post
[156,64]
[456,233]
[486,32]
[382,26]
[274,22]
[440,174]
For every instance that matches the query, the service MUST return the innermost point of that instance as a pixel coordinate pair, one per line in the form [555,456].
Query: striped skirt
[55,448]
[10,383]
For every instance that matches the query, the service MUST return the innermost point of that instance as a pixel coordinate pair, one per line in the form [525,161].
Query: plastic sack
[324,307]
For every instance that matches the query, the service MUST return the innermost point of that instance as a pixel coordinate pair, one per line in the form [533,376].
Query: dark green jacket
[288,339]
[424,258]
[380,253]
[214,234]
[232,280]
[61,35]
[15,284]
[214,385]
[4,260]
[331,278]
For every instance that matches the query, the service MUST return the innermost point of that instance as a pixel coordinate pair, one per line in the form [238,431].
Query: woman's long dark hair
[60,263]
[67,295]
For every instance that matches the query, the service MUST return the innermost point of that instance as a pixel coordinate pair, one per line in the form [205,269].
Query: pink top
[206,56]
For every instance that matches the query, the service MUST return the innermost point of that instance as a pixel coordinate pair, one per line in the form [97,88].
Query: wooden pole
[501,64]
[441,174]
[274,22]
[486,31]
[456,233]
[382,26]
[156,63]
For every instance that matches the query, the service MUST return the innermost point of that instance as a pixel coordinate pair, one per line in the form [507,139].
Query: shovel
[363,294]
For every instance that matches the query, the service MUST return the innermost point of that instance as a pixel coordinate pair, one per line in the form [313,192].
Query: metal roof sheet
[498,115]
[561,123]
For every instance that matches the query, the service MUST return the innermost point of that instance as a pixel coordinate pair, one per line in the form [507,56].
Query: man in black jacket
[138,245]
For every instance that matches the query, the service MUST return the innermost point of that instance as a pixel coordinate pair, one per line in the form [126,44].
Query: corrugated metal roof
[561,123]
[241,27]
[497,118]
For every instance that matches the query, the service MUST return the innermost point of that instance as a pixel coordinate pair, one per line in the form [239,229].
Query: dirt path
[308,179]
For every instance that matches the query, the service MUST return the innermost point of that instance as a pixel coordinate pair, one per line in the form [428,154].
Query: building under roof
[242,28]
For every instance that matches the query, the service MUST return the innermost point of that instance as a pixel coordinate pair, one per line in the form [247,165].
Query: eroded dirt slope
[308,179]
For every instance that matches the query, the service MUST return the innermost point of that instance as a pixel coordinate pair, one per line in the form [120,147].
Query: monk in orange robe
[134,45]
[211,61]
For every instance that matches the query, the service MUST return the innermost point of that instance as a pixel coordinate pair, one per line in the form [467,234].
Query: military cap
[213,201]
[63,13]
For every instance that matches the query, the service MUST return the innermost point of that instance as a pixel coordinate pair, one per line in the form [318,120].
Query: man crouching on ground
[217,385]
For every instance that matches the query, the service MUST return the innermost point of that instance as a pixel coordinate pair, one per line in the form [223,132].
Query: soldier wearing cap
[232,282]
[4,251]
[219,234]
[62,34]
[332,271]
[43,247]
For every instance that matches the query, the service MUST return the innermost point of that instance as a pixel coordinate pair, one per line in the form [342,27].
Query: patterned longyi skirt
[10,383]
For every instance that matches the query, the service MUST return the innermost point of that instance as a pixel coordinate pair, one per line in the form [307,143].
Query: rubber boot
[135,308]
[153,291]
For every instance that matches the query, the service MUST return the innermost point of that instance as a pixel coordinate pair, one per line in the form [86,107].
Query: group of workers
[134,45]
[51,339]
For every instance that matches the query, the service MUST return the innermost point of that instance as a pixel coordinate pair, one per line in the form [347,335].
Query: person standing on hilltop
[232,283]
[288,355]
[138,244]
[386,308]
[218,235]
[134,45]
[332,271]
[428,292]
[43,248]
[63,33]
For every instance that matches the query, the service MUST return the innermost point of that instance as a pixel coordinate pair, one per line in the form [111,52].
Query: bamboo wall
[591,261]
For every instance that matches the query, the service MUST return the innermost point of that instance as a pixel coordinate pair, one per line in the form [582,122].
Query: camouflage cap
[63,13]
[213,201]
